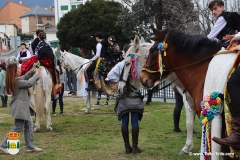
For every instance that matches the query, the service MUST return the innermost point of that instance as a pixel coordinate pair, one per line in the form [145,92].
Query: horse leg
[190,114]
[88,109]
[47,112]
[37,125]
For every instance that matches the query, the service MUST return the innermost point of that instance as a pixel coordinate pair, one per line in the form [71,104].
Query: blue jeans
[134,119]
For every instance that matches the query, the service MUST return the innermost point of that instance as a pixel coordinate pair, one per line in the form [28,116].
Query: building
[64,6]
[4,43]
[36,18]
[10,29]
[11,11]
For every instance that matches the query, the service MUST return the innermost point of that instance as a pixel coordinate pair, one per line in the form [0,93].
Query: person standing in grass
[4,96]
[17,86]
[126,106]
[60,97]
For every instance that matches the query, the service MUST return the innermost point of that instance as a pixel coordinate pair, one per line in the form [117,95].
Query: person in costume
[101,50]
[35,42]
[24,54]
[222,27]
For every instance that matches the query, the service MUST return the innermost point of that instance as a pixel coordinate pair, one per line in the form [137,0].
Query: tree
[165,13]
[77,27]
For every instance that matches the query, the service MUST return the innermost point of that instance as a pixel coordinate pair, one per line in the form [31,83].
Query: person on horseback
[233,88]
[35,42]
[101,50]
[222,27]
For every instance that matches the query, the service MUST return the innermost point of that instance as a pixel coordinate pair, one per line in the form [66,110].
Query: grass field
[98,135]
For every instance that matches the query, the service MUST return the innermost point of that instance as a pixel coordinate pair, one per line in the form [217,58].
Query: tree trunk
[158,17]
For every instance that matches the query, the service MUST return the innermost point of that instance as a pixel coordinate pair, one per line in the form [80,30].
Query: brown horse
[186,55]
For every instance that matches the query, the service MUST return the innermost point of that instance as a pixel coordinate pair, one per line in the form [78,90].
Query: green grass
[98,135]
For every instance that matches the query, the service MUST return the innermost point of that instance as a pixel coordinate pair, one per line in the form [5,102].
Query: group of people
[111,67]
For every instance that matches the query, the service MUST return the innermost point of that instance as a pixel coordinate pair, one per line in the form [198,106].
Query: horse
[142,50]
[42,93]
[77,64]
[189,56]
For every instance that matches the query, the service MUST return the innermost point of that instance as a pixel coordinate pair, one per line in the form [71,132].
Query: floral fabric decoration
[210,108]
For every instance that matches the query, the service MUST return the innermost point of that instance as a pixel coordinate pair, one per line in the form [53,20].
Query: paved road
[12,53]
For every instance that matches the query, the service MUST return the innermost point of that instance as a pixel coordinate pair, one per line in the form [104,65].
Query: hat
[99,35]
[112,38]
[23,44]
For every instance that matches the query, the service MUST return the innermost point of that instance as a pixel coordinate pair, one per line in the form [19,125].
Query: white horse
[40,97]
[142,49]
[77,65]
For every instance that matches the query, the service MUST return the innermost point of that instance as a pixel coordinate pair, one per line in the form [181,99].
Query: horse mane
[194,45]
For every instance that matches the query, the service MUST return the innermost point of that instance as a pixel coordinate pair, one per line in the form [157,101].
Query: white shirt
[116,71]
[217,28]
[24,58]
[98,51]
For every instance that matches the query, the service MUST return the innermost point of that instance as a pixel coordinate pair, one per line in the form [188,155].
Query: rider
[101,50]
[233,88]
[35,41]
[222,27]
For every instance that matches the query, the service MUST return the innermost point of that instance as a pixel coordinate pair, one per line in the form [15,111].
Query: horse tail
[39,97]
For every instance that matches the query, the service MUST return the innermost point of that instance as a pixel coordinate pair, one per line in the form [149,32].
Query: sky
[44,3]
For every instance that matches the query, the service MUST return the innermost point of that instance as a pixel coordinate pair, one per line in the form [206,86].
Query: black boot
[135,133]
[176,119]
[3,101]
[234,138]
[91,86]
[6,100]
[125,136]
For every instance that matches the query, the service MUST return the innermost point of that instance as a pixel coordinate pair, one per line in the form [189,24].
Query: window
[40,20]
[64,8]
[78,5]
[49,19]
[79,0]
[74,6]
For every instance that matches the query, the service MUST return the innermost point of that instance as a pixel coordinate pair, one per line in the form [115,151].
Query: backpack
[233,19]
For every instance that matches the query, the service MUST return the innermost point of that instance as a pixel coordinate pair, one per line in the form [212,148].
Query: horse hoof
[49,128]
[182,153]
[86,113]
[36,130]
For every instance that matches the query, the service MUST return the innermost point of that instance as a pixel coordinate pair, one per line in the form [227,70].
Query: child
[17,86]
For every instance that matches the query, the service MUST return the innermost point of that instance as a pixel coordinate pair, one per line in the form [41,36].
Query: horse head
[134,61]
[63,59]
[151,71]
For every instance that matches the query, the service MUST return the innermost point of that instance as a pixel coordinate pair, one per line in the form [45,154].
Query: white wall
[25,25]
[52,37]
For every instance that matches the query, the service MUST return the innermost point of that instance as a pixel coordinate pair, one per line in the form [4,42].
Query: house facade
[10,29]
[4,43]
[36,18]
[11,11]
[64,6]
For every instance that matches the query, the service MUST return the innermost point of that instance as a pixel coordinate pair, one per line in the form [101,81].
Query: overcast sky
[44,3]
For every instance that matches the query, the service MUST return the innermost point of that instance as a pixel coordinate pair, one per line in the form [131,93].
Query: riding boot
[125,136]
[3,101]
[234,138]
[135,133]
[6,100]
[176,119]
[91,86]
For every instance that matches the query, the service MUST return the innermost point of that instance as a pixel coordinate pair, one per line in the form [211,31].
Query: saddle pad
[218,69]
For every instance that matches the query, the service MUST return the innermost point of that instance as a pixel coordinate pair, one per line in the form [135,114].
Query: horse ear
[152,41]
[142,40]
[136,43]
[157,33]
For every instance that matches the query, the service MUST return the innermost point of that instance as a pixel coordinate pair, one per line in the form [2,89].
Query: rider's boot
[234,138]
[91,86]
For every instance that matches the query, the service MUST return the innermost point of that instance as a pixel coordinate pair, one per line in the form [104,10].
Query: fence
[166,93]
